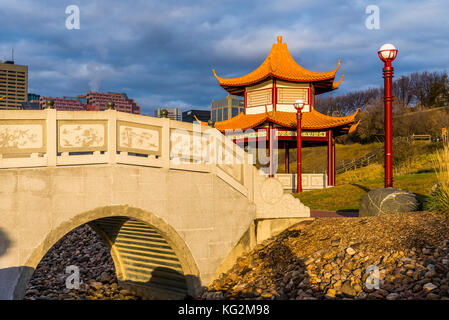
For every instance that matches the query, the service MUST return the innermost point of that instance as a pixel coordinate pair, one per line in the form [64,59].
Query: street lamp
[387,53]
[299,104]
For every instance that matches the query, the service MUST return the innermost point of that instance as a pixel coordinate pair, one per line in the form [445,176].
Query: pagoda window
[290,95]
[235,111]
[219,115]
[214,115]
[259,97]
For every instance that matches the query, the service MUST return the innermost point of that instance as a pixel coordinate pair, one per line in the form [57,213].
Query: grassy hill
[314,159]
[347,196]
[413,171]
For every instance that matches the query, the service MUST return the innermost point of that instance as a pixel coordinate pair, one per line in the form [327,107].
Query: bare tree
[402,90]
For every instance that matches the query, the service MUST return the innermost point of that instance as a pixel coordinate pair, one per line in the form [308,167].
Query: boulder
[388,200]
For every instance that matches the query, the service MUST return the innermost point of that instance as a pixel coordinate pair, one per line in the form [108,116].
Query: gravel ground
[83,248]
[330,258]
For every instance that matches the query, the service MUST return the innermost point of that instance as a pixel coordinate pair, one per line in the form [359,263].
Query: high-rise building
[173,113]
[13,85]
[227,108]
[189,115]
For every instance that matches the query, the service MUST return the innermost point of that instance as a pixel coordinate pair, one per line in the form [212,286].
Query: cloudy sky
[162,52]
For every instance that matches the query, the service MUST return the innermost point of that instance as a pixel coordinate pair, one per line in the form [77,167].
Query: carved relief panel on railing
[190,146]
[82,135]
[139,138]
[22,136]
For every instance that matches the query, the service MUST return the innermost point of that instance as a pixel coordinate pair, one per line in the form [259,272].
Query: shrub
[439,199]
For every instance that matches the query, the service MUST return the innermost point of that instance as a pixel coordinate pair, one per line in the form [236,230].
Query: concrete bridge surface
[177,203]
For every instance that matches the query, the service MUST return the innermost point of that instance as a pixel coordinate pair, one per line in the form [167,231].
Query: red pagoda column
[333,161]
[329,158]
[299,104]
[270,136]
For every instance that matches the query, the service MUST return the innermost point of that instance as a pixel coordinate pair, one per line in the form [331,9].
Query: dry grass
[314,159]
[422,163]
[441,162]
[371,172]
[439,200]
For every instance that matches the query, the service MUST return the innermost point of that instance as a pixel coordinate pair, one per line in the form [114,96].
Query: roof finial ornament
[279,39]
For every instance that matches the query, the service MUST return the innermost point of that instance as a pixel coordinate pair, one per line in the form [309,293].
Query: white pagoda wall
[261,95]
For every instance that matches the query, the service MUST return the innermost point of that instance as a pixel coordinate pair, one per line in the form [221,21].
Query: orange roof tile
[312,120]
[280,64]
[353,128]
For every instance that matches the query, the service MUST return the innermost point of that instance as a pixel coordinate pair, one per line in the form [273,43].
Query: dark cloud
[162,52]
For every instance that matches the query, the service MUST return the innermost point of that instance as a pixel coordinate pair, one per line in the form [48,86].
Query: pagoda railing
[310,181]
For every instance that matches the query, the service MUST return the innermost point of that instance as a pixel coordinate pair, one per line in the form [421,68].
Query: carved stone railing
[50,138]
[37,138]
[310,181]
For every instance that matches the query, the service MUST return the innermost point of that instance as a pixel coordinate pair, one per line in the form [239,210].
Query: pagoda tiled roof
[312,120]
[280,64]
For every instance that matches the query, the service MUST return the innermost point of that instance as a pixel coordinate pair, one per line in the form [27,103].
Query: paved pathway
[332,214]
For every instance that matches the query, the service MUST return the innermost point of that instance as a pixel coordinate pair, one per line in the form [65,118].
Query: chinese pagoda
[269,94]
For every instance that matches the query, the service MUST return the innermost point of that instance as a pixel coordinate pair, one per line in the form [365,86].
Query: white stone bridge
[176,202]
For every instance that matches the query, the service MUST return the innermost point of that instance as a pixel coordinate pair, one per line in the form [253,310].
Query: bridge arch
[150,257]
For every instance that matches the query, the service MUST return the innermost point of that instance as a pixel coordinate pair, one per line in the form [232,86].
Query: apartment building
[13,85]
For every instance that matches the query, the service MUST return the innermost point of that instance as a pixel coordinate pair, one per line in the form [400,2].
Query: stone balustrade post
[112,135]
[165,143]
[52,136]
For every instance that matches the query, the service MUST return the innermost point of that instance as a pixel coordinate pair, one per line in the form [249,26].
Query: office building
[227,108]
[33,97]
[189,115]
[173,113]
[13,85]
[31,105]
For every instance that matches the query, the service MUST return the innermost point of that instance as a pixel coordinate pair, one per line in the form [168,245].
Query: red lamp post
[299,104]
[387,53]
